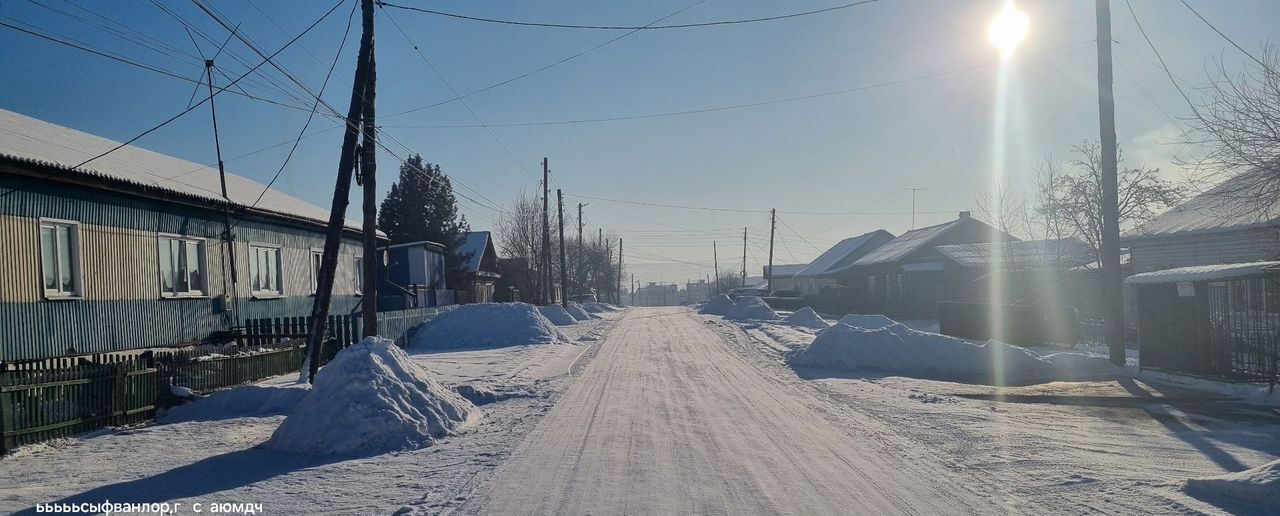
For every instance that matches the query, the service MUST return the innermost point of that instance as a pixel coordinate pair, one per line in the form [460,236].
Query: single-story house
[112,248]
[1024,272]
[782,276]
[415,276]
[481,267]
[822,271]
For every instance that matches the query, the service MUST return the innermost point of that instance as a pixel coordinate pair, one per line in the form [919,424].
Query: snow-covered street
[664,411]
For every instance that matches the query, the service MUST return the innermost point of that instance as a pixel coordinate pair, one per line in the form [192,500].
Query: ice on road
[667,419]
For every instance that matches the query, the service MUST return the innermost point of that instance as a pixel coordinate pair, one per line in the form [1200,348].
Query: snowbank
[580,313]
[751,308]
[1258,487]
[898,350]
[557,315]
[870,321]
[807,318]
[245,401]
[718,305]
[487,324]
[597,307]
[371,399]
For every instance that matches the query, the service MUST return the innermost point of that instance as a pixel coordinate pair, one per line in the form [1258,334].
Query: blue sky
[859,151]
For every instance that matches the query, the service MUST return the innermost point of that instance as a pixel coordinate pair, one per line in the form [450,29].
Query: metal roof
[1214,272]
[475,243]
[1023,254]
[784,270]
[906,244]
[1231,205]
[30,140]
[828,261]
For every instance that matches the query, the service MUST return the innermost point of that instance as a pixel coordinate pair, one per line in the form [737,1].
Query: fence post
[6,415]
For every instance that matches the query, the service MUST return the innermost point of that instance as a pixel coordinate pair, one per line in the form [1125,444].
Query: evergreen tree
[421,206]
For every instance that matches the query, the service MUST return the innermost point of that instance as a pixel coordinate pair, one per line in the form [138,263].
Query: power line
[1160,58]
[845,91]
[744,210]
[1255,59]
[626,27]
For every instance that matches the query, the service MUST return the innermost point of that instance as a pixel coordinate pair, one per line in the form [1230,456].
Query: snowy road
[669,419]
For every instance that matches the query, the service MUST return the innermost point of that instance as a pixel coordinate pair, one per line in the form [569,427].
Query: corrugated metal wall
[1153,254]
[121,306]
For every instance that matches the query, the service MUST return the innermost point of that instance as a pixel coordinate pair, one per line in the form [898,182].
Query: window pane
[179,265]
[48,258]
[64,259]
[166,267]
[273,270]
[195,277]
[359,275]
[253,269]
[316,259]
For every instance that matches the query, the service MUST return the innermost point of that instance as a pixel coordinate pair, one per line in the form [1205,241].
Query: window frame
[314,267]
[202,258]
[74,259]
[357,280]
[279,264]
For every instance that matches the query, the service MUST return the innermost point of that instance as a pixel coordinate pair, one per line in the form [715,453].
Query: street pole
[1112,277]
[744,257]
[618,292]
[564,271]
[228,240]
[546,235]
[577,273]
[773,224]
[341,192]
[913,205]
[368,179]
[715,263]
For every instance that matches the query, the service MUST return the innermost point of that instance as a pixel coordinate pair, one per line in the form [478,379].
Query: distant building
[128,251]
[696,292]
[655,294]
[415,276]
[481,267]
[783,276]
[824,269]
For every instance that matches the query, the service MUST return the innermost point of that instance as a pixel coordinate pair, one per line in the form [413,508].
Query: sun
[1008,29]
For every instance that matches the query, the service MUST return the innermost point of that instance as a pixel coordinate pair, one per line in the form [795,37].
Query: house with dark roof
[908,275]
[480,266]
[823,270]
[1222,225]
[782,276]
[111,247]
[414,276]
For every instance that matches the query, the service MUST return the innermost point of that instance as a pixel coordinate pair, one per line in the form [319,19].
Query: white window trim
[268,294]
[203,291]
[76,261]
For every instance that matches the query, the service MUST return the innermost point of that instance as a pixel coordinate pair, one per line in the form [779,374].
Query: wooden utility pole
[341,192]
[773,224]
[715,263]
[228,241]
[744,257]
[564,271]
[1112,277]
[577,273]
[546,235]
[913,205]
[368,180]
[617,296]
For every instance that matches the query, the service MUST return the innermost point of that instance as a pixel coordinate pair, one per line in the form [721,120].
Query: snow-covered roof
[37,142]
[906,244]
[421,243]
[1225,207]
[474,243]
[1024,254]
[1214,272]
[785,270]
[831,261]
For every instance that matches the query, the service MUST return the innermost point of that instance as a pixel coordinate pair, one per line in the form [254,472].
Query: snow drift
[718,305]
[487,324]
[580,313]
[1258,487]
[597,307]
[870,321]
[807,318]
[371,399]
[751,308]
[898,350]
[244,401]
[557,315]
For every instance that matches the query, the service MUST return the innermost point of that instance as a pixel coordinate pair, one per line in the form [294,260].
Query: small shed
[1221,321]
[480,265]
[414,277]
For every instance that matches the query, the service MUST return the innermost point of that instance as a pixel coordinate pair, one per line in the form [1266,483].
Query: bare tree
[1237,126]
[1069,196]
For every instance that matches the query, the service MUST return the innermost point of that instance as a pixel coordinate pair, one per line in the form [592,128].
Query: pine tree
[421,206]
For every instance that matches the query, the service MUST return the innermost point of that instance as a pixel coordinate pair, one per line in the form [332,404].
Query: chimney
[965,215]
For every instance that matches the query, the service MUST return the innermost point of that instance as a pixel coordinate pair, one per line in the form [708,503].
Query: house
[822,271]
[907,276]
[129,250]
[414,277]
[1024,272]
[782,277]
[658,294]
[480,266]
[1222,225]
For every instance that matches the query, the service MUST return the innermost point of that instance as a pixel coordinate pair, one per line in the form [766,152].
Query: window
[182,267]
[359,275]
[60,258]
[264,271]
[871,287]
[317,257]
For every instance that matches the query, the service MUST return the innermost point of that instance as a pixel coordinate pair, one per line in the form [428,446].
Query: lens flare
[1008,29]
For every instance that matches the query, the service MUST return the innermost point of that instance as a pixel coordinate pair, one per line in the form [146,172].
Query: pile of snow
[898,350]
[245,401]
[597,307]
[487,324]
[557,315]
[580,313]
[871,321]
[718,305]
[751,308]
[807,318]
[372,399]
[1258,487]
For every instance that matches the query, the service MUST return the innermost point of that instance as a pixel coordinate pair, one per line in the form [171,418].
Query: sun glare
[1008,29]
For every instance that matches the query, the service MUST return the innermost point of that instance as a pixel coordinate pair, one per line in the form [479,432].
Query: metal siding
[1158,253]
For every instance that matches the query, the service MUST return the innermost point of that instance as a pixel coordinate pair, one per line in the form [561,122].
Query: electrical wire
[1255,59]
[745,210]
[627,27]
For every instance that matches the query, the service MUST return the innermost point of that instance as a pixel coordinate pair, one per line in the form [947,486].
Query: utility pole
[773,224]
[633,289]
[341,192]
[564,271]
[618,294]
[367,178]
[577,274]
[913,205]
[744,257]
[228,240]
[715,263]
[1112,277]
[546,235]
